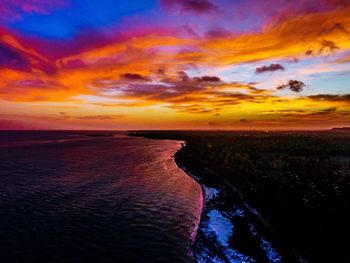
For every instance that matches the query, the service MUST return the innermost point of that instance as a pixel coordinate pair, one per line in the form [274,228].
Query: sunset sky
[174,64]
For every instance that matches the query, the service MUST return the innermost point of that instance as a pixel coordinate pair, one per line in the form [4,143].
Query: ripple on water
[115,199]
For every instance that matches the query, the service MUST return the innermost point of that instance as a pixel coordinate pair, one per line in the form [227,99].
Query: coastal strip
[219,226]
[229,229]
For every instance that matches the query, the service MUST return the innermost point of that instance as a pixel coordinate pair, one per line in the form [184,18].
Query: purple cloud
[293,85]
[271,68]
[191,6]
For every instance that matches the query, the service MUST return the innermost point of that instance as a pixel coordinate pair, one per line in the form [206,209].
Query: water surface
[68,197]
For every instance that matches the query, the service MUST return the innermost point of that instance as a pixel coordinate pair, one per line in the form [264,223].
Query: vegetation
[300,182]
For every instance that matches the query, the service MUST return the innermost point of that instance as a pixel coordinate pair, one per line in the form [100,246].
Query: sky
[174,64]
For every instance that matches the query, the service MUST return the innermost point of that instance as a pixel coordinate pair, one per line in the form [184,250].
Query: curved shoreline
[221,227]
[204,199]
[201,201]
[199,252]
[228,229]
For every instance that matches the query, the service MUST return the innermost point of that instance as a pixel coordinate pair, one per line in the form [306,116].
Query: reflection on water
[68,197]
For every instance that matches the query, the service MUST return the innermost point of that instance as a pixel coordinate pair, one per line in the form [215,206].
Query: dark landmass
[341,129]
[298,182]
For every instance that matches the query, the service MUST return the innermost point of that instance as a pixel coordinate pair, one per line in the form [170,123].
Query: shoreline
[205,197]
[202,253]
[229,229]
[193,236]
[255,216]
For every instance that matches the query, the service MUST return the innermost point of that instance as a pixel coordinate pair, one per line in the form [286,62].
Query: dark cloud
[185,78]
[308,52]
[293,85]
[132,76]
[271,68]
[192,6]
[331,97]
[244,120]
[207,79]
[328,46]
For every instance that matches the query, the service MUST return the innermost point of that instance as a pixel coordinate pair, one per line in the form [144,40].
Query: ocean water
[81,197]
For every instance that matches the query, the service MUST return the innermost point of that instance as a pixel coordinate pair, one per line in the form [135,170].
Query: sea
[94,196]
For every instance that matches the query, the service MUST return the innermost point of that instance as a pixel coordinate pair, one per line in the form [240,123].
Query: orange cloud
[148,72]
[318,33]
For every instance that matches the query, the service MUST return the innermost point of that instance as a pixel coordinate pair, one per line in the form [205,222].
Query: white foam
[221,226]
